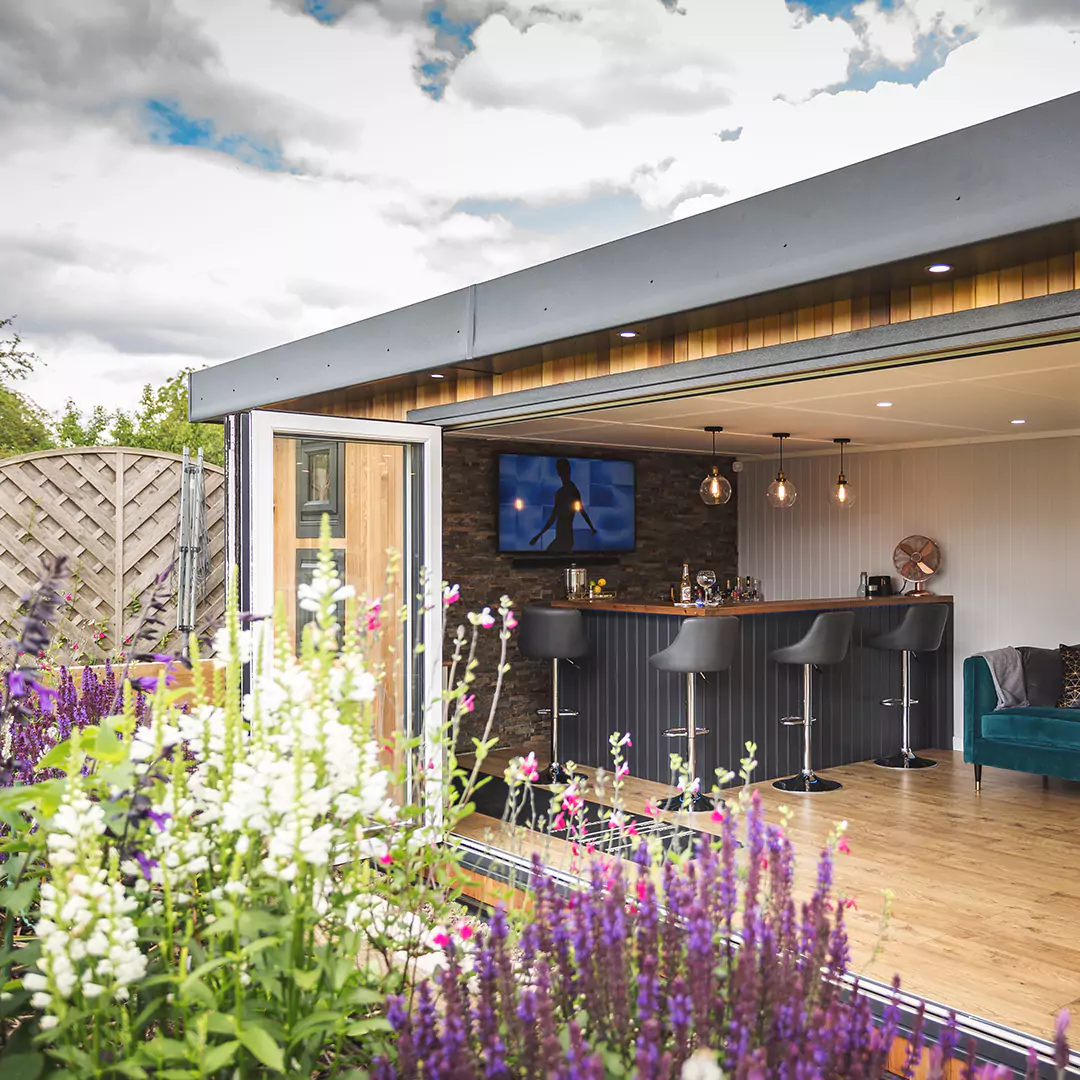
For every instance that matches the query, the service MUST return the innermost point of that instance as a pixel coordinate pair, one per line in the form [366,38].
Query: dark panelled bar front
[614,688]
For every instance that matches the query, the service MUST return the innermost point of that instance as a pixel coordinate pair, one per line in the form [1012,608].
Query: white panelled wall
[1006,515]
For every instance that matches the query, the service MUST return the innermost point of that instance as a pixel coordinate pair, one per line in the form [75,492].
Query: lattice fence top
[113,511]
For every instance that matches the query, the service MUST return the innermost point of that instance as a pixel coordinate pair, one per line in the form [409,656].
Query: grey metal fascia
[414,338]
[1005,176]
[977,328]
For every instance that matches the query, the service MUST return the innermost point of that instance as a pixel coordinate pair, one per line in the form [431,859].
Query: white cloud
[126,259]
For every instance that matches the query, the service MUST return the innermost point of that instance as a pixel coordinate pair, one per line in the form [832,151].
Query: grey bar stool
[826,642]
[921,630]
[553,634]
[704,643]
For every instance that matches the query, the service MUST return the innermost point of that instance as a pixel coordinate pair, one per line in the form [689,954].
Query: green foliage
[160,422]
[24,428]
[15,363]
[73,430]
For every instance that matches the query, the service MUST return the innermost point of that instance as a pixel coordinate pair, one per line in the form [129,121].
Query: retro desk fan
[917,559]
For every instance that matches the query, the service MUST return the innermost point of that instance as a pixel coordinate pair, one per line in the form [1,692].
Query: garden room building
[920,314]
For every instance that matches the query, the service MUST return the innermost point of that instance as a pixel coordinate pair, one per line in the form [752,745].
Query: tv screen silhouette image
[565,504]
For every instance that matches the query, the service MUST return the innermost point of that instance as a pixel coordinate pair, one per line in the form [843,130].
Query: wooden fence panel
[113,511]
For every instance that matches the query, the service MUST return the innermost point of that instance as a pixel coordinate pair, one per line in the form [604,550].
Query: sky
[187,181]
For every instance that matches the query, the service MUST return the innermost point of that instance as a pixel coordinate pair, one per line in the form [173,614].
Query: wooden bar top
[764,607]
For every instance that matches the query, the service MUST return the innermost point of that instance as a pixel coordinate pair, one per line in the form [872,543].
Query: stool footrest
[680,732]
[794,721]
[898,701]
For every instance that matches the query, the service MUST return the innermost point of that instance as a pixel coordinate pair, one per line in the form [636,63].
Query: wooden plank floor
[986,910]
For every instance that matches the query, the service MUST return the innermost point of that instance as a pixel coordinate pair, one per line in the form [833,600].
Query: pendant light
[781,492]
[842,494]
[715,489]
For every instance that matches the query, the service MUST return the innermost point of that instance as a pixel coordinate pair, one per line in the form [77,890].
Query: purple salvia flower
[1061,1043]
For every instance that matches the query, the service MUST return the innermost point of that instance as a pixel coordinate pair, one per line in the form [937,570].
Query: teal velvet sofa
[1034,739]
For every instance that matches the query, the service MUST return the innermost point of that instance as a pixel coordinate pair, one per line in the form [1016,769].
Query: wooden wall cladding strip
[736,334]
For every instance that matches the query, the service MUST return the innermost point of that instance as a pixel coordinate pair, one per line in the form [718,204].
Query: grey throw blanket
[1007,671]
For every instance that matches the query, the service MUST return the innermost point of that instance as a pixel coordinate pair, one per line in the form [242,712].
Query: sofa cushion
[1036,727]
[1042,675]
[1070,677]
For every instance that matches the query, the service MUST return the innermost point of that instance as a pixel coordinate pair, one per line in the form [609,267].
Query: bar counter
[762,607]
[615,688]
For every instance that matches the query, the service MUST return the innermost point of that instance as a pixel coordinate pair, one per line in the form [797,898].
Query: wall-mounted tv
[563,505]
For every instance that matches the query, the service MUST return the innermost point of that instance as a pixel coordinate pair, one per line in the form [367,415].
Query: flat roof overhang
[1012,325]
[955,197]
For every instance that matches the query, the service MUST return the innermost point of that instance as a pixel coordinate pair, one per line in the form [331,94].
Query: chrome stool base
[556,774]
[692,804]
[807,785]
[807,782]
[904,760]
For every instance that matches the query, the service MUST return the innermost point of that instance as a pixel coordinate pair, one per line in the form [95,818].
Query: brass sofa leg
[978,778]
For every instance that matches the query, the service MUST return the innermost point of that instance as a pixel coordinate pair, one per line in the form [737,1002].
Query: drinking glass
[707,580]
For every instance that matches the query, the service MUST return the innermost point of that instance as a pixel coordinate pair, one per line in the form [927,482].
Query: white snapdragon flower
[89,943]
[223,645]
[311,597]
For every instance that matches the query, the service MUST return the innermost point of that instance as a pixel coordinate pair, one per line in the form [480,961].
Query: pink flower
[717,815]
[451,594]
[626,740]
[560,822]
[511,622]
[530,768]
[850,903]
[440,939]
[650,808]
[386,859]
[466,931]
[631,829]
[468,702]
[373,621]
[622,770]
[842,846]
[486,619]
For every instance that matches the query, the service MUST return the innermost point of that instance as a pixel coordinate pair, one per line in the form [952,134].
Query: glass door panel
[379,484]
[360,487]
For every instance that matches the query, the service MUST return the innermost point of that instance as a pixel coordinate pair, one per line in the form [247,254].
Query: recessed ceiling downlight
[1017,421]
[627,333]
[436,375]
[939,268]
[884,404]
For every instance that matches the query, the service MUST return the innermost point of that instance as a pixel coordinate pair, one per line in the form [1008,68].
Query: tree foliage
[15,363]
[24,428]
[159,422]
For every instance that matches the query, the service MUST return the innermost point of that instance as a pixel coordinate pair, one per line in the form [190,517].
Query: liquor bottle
[686,588]
[864,588]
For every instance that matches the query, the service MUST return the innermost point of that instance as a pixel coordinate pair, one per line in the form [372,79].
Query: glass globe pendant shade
[715,489]
[842,494]
[781,492]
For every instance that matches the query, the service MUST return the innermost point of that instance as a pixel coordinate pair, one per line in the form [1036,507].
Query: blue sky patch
[834,8]
[168,124]
[460,32]
[325,11]
[931,53]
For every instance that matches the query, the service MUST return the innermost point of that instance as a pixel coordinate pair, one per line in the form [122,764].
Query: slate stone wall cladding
[673,524]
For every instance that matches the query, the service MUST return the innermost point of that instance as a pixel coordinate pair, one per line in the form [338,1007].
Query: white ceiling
[961,400]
